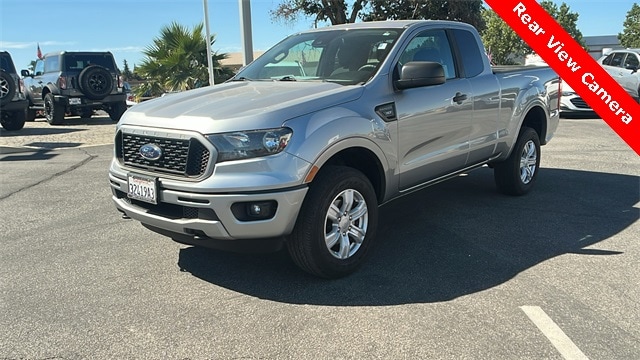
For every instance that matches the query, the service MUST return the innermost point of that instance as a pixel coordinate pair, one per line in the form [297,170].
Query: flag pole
[208,40]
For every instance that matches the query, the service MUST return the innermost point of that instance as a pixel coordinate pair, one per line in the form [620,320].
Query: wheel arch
[357,154]
[536,118]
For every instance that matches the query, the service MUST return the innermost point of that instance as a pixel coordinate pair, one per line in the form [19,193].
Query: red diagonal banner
[574,65]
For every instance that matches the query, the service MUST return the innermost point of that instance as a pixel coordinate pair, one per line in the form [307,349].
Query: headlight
[249,144]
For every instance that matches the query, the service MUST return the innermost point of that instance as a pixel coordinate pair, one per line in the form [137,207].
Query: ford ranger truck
[304,144]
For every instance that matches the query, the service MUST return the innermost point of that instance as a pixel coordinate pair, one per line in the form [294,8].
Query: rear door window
[617,59]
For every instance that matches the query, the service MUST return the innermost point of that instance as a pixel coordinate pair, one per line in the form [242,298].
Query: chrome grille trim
[186,156]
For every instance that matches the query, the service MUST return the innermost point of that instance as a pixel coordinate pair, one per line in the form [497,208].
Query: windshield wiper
[242,78]
[288,78]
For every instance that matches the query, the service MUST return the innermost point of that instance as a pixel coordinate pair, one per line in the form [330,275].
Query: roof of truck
[387,24]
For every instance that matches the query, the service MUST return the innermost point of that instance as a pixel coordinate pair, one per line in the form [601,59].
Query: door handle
[459,98]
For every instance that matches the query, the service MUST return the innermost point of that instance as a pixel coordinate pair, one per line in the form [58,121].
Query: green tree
[505,46]
[339,12]
[177,60]
[126,72]
[630,35]
[500,41]
[332,11]
[465,11]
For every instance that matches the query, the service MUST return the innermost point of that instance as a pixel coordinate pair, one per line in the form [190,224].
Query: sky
[126,27]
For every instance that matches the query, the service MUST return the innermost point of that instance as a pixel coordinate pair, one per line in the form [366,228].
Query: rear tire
[54,113]
[517,174]
[337,224]
[13,121]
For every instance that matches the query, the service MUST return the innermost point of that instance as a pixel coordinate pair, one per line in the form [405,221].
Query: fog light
[250,211]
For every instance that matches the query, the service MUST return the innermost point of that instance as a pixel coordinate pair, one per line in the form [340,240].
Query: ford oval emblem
[150,151]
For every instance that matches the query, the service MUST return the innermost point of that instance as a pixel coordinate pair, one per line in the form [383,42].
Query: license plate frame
[75,101]
[143,188]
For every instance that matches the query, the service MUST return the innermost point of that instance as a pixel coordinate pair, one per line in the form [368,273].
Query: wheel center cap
[344,224]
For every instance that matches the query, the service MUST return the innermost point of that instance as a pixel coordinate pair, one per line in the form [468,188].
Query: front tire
[7,88]
[517,174]
[54,113]
[337,224]
[116,110]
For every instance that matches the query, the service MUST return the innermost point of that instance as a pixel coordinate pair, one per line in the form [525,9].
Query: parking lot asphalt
[75,132]
[459,271]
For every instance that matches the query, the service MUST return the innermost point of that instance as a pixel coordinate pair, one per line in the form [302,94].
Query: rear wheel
[517,174]
[54,113]
[336,225]
[13,121]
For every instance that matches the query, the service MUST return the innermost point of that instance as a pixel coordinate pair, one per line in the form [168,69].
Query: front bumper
[210,216]
[574,104]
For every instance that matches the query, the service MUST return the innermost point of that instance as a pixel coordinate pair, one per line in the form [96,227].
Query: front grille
[183,157]
[579,103]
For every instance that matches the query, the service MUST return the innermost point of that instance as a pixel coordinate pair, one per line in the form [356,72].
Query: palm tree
[177,60]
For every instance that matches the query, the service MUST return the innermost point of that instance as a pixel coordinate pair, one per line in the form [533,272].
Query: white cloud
[32,44]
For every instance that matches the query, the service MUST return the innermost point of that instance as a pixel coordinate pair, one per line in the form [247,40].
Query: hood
[239,105]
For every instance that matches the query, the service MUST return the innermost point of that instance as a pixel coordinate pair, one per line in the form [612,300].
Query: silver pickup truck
[305,143]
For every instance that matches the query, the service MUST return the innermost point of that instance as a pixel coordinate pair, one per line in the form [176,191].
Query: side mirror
[420,73]
[633,68]
[25,73]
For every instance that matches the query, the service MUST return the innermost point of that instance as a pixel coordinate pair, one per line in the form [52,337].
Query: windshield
[343,56]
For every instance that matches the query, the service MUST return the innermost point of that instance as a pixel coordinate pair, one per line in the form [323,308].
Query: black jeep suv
[13,103]
[75,83]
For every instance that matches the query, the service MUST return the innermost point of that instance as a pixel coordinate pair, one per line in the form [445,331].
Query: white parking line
[556,336]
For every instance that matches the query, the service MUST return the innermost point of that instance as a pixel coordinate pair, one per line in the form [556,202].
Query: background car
[571,104]
[131,99]
[13,103]
[623,66]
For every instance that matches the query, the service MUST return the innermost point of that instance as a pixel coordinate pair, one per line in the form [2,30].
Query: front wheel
[517,174]
[116,110]
[336,225]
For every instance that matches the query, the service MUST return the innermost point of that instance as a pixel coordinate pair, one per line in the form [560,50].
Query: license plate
[142,188]
[75,101]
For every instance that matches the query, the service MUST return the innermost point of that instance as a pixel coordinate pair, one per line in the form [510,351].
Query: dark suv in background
[75,83]
[13,103]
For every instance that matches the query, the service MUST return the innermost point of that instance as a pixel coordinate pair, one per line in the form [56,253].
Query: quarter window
[469,52]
